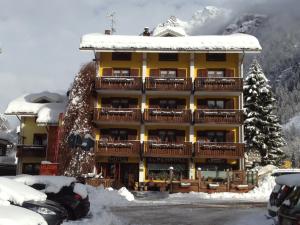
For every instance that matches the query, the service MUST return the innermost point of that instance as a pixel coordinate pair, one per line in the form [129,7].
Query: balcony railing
[31,151]
[118,148]
[218,84]
[117,115]
[168,84]
[168,115]
[219,150]
[119,83]
[218,116]
[166,149]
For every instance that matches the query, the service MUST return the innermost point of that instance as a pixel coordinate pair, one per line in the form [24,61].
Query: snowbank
[234,42]
[17,193]
[53,183]
[14,215]
[45,105]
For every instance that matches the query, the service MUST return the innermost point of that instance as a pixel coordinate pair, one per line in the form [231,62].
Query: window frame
[216,57]
[168,57]
[121,56]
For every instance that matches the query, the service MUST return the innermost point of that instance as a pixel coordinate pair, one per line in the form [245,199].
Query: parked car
[284,186]
[21,195]
[67,191]
[289,211]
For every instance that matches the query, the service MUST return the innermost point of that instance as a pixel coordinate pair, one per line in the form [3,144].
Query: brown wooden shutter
[154,72]
[132,134]
[229,73]
[202,103]
[134,72]
[229,104]
[202,73]
[181,72]
[229,136]
[133,103]
[107,72]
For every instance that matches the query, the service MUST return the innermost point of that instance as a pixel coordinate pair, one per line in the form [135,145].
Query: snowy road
[193,214]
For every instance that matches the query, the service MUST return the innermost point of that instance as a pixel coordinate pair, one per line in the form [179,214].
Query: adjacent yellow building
[168,103]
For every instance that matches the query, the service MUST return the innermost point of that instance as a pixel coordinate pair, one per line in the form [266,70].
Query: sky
[40,39]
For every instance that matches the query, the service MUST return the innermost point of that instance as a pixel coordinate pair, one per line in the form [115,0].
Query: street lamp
[199,178]
[171,168]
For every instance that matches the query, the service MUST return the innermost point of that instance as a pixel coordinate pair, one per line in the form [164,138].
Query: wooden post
[171,179]
[228,180]
[199,178]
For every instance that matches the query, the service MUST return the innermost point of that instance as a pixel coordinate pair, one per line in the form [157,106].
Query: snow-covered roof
[172,27]
[53,183]
[205,43]
[12,215]
[12,191]
[45,105]
[289,180]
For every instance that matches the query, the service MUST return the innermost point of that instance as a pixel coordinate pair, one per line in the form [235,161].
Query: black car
[76,206]
[53,213]
[289,212]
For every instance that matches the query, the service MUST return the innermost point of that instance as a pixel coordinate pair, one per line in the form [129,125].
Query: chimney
[146,31]
[107,32]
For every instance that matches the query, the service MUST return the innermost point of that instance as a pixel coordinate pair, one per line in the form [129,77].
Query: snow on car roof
[45,105]
[285,171]
[12,215]
[12,191]
[289,180]
[205,43]
[53,183]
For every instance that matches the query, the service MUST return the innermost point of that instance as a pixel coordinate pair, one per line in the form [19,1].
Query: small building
[168,102]
[38,137]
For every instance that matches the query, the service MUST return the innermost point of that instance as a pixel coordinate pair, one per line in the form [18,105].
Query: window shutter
[229,104]
[134,72]
[107,72]
[181,73]
[154,72]
[230,136]
[229,73]
[202,73]
[132,134]
[202,104]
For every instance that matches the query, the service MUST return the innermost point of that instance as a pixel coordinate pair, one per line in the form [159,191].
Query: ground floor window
[159,169]
[31,168]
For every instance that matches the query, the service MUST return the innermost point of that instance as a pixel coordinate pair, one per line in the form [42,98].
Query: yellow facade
[29,128]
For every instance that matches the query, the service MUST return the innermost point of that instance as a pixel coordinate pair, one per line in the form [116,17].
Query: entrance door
[129,174]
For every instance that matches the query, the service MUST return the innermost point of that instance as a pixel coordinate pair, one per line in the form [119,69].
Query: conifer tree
[262,128]
[78,120]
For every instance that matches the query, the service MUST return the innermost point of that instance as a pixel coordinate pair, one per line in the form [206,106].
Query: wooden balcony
[219,116]
[168,115]
[117,115]
[219,84]
[31,151]
[167,150]
[168,84]
[219,150]
[118,148]
[119,83]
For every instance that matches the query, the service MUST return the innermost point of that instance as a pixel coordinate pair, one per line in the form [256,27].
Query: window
[121,56]
[167,136]
[220,57]
[213,136]
[168,57]
[31,168]
[120,103]
[120,135]
[215,104]
[167,104]
[215,73]
[40,139]
[168,73]
[121,72]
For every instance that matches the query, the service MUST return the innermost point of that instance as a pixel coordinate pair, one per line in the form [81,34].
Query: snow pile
[53,183]
[14,215]
[233,42]
[101,199]
[45,105]
[12,191]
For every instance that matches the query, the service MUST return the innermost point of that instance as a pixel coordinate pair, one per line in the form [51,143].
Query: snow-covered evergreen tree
[3,123]
[262,128]
[78,120]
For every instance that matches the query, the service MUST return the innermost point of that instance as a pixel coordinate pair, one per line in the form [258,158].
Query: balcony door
[118,134]
[167,103]
[215,104]
[215,136]
[119,103]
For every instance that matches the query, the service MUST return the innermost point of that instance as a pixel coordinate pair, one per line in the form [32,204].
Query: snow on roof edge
[206,43]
